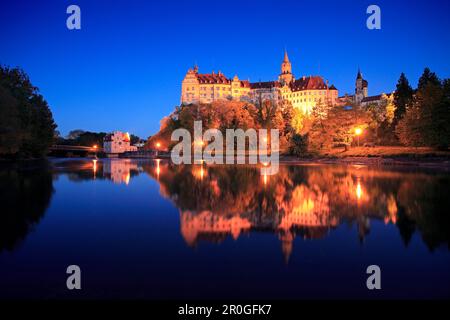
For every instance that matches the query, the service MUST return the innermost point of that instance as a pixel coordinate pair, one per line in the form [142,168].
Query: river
[151,229]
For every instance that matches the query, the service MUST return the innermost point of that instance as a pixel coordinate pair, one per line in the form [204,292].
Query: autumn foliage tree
[225,114]
[337,128]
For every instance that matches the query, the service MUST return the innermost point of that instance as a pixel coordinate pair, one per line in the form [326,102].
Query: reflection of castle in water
[306,210]
[307,202]
[216,202]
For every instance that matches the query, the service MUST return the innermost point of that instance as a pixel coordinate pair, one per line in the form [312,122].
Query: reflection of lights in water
[127,178]
[358,191]
[265,178]
[199,172]
[158,169]
[94,166]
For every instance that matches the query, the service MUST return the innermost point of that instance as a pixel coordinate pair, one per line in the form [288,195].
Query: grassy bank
[387,152]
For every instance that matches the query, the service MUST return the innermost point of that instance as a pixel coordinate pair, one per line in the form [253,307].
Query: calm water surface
[150,229]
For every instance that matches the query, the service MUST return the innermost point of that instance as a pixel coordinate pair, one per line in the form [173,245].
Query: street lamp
[358,132]
[95,149]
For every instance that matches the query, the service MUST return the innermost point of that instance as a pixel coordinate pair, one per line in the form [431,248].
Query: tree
[381,117]
[426,120]
[408,128]
[427,78]
[337,129]
[320,110]
[74,134]
[441,118]
[298,121]
[299,145]
[134,139]
[27,128]
[402,98]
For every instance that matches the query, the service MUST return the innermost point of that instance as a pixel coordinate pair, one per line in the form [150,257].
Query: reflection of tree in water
[304,201]
[425,204]
[25,194]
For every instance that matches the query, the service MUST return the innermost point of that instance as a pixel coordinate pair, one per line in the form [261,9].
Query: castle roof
[264,85]
[218,78]
[246,84]
[374,98]
[308,83]
[371,98]
[305,83]
[212,78]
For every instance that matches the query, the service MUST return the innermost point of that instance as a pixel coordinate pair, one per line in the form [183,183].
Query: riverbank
[423,157]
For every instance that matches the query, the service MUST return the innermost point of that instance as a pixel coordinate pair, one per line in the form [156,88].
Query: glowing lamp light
[358,131]
[95,146]
[158,144]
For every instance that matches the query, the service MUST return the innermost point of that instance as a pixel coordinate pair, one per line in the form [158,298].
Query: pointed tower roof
[286,58]
[359,76]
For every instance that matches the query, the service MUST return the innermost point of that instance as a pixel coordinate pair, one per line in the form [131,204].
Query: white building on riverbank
[117,142]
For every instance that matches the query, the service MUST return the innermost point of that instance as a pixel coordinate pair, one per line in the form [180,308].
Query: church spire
[286,75]
[286,58]
[359,76]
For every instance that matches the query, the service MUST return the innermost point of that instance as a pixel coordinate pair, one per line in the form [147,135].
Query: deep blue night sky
[123,69]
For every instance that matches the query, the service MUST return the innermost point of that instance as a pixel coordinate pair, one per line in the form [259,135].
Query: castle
[303,93]
[361,96]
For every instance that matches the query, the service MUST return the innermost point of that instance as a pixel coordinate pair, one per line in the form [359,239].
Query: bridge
[67,150]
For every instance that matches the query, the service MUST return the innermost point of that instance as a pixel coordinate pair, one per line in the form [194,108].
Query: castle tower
[361,88]
[286,75]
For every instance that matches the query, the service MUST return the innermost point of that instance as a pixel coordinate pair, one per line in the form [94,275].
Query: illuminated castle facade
[303,93]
